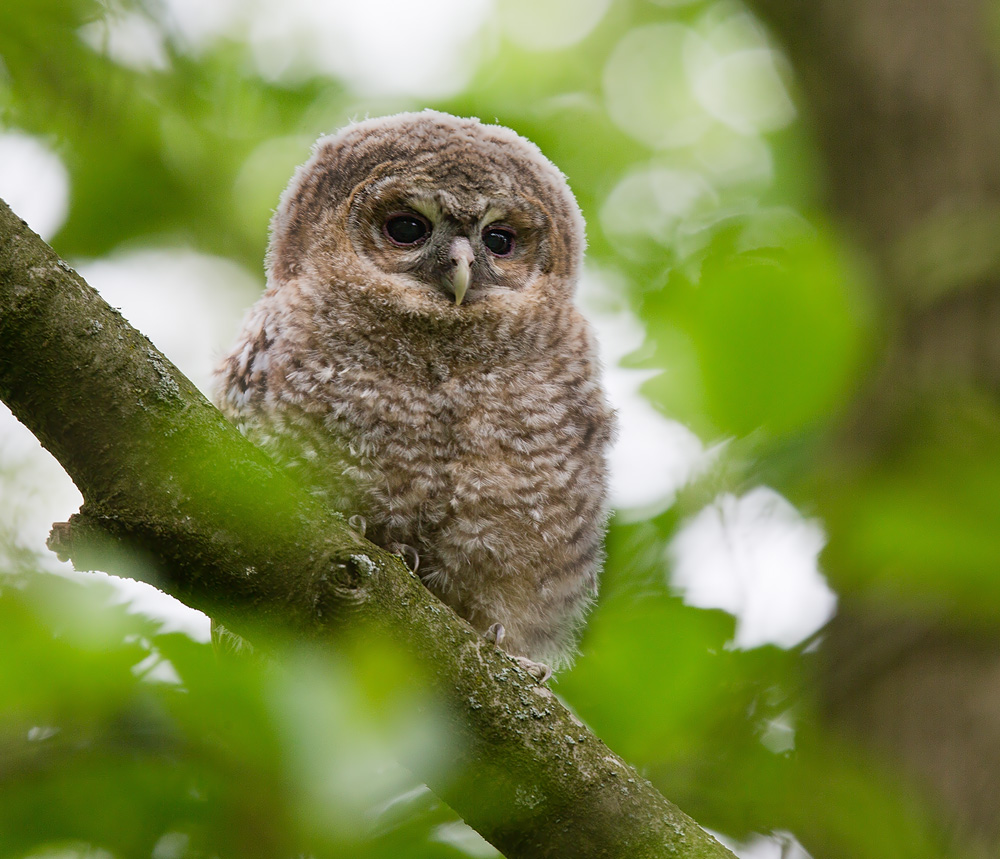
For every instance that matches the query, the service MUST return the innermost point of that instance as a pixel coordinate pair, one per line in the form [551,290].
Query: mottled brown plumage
[417,358]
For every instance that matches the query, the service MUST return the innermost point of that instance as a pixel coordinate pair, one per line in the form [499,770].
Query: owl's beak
[461,257]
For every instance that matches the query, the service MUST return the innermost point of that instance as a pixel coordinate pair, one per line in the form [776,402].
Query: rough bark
[903,97]
[163,473]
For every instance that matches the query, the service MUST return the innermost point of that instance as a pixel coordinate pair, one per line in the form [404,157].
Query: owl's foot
[409,555]
[539,670]
[358,524]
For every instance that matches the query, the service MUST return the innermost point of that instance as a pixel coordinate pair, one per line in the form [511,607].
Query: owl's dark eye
[499,240]
[407,229]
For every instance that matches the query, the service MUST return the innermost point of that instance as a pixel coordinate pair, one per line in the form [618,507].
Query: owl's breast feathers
[482,446]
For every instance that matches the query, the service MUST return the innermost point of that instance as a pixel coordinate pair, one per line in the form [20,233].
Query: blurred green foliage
[138,742]
[932,507]
[772,334]
[119,739]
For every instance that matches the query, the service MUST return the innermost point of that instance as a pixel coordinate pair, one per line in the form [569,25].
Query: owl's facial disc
[459,247]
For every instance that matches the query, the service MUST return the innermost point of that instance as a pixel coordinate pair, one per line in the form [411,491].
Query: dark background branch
[903,99]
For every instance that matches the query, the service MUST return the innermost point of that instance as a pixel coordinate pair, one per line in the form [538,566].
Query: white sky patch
[35,492]
[778,845]
[172,845]
[379,47]
[129,38]
[172,615]
[551,24]
[457,834]
[34,489]
[646,85]
[652,201]
[757,558]
[196,24]
[155,669]
[737,78]
[779,733]
[189,304]
[653,456]
[673,86]
[34,182]
[732,159]
[68,853]
[743,90]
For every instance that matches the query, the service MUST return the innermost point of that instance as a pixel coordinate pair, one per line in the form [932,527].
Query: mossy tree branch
[164,474]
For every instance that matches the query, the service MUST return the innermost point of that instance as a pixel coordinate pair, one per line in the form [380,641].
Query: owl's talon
[409,555]
[495,634]
[358,524]
[539,670]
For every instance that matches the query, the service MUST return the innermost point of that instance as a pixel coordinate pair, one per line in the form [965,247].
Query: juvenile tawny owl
[417,358]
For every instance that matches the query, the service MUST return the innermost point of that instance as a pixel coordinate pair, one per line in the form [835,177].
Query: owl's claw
[539,670]
[358,524]
[409,555]
[496,633]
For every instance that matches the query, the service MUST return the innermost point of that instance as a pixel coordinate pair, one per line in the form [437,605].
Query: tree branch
[162,472]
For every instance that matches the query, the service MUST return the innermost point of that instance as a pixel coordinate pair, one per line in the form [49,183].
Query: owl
[417,359]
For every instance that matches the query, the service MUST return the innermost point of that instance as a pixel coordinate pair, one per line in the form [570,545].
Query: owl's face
[449,212]
[457,244]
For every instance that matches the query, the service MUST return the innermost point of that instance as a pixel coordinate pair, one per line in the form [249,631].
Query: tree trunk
[903,97]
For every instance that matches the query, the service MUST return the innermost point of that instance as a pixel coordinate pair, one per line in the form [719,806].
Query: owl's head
[450,211]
